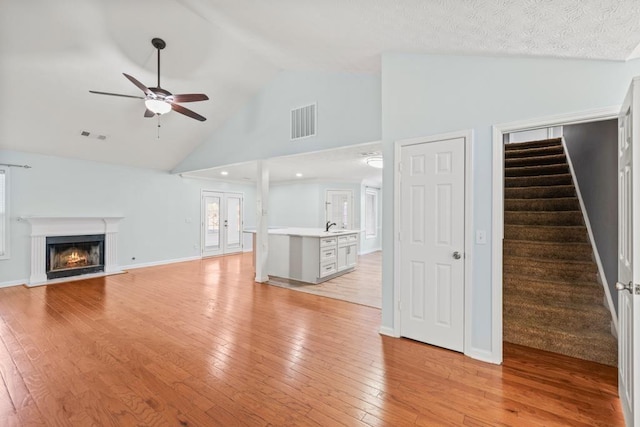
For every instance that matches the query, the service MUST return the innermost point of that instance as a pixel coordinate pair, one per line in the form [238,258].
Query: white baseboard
[13,283]
[385,330]
[73,278]
[483,356]
[163,262]
[370,251]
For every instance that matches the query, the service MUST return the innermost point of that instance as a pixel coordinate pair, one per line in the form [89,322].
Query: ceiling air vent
[303,122]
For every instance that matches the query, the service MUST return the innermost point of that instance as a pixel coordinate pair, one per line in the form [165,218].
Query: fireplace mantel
[43,226]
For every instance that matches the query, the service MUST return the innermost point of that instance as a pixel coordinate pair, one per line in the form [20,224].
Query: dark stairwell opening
[553,297]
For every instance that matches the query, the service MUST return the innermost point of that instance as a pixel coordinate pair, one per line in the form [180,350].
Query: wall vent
[303,122]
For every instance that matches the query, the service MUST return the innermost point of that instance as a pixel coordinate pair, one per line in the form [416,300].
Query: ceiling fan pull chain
[158,126]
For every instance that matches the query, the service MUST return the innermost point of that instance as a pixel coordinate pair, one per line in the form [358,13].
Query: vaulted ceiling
[53,52]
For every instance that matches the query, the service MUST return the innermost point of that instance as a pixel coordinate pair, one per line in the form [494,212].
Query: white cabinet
[347,251]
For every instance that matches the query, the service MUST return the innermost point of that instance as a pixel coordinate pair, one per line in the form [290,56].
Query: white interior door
[339,208]
[432,242]
[221,223]
[232,223]
[629,256]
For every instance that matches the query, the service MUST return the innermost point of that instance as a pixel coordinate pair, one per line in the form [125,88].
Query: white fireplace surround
[43,227]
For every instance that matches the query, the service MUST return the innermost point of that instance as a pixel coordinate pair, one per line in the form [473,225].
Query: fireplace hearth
[74,255]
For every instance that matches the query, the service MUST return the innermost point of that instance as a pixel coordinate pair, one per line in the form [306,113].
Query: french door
[221,223]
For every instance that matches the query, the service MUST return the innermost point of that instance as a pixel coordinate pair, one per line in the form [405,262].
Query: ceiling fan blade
[190,97]
[142,87]
[149,113]
[116,94]
[180,109]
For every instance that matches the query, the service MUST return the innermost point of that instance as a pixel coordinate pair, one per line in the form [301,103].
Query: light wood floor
[361,286]
[200,344]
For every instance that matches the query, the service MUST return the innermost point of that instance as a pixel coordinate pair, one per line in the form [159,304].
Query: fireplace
[74,255]
[99,258]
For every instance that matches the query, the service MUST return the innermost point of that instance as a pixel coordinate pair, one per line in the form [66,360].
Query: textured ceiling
[53,52]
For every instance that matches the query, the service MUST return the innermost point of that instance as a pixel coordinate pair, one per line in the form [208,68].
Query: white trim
[7,213]
[11,283]
[497,205]
[370,251]
[163,262]
[390,332]
[73,278]
[468,235]
[592,240]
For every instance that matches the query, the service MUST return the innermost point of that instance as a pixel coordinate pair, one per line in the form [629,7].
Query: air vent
[303,122]
[94,136]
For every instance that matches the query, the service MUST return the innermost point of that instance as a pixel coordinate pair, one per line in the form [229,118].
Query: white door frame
[468,224]
[497,222]
[349,193]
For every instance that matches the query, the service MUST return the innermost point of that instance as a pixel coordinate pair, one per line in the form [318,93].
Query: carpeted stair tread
[537,170]
[571,318]
[550,269]
[533,144]
[600,347]
[539,192]
[559,218]
[521,287]
[538,180]
[534,152]
[554,159]
[544,204]
[544,233]
[551,250]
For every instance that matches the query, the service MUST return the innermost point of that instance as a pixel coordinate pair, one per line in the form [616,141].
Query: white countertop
[307,232]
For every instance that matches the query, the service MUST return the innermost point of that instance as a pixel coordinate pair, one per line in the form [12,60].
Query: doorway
[222,224]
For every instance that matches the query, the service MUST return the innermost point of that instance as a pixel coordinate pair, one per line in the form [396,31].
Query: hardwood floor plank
[200,343]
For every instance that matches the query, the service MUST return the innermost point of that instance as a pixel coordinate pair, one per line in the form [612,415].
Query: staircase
[552,298]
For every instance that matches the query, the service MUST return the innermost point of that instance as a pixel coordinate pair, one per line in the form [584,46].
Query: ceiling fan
[160,101]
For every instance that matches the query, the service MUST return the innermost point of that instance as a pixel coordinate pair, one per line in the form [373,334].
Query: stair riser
[534,152]
[537,170]
[559,273]
[534,181]
[595,320]
[543,218]
[539,192]
[549,293]
[555,142]
[601,350]
[545,234]
[555,204]
[575,252]
[535,161]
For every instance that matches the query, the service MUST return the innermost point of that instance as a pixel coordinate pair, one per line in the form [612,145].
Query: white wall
[162,211]
[301,204]
[432,94]
[348,110]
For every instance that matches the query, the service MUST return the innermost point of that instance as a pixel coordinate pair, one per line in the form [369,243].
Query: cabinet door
[352,255]
[343,257]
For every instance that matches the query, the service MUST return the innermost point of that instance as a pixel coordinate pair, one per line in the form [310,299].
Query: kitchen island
[311,254]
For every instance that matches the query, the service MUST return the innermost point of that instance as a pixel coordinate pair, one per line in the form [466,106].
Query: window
[4,212]
[338,208]
[371,213]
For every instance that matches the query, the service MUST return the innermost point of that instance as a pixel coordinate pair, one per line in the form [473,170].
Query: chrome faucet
[329,225]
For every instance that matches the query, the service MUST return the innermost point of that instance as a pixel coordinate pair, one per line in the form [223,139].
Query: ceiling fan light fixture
[375,162]
[157,106]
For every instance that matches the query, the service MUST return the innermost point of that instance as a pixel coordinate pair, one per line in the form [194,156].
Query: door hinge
[399,236]
[399,305]
[636,289]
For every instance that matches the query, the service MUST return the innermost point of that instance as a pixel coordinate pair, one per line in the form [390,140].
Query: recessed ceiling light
[225,173]
[375,162]
[299,175]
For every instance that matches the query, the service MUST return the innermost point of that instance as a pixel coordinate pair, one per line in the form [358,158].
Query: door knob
[456,255]
[624,286]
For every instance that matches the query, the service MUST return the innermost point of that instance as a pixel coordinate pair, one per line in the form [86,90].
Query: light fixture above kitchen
[375,162]
[225,173]
[299,175]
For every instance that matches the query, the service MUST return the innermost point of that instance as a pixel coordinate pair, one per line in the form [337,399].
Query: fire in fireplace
[74,255]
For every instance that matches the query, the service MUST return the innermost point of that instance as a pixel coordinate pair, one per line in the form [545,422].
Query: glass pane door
[212,238]
[233,223]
